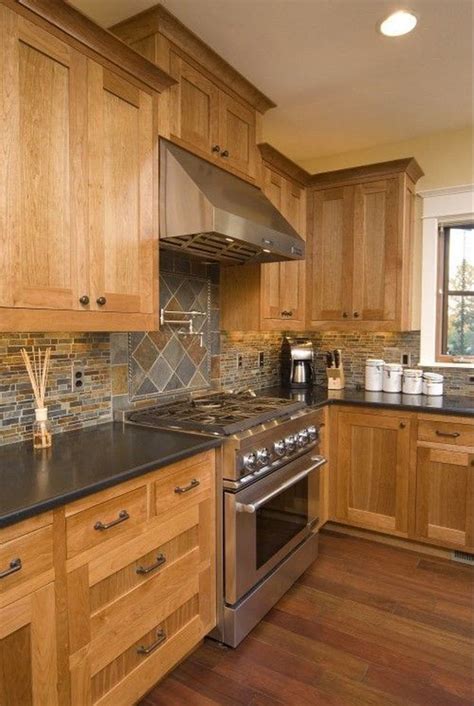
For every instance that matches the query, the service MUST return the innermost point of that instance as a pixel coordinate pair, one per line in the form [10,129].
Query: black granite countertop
[82,462]
[319,396]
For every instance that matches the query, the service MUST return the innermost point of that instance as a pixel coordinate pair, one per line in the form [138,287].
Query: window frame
[443,294]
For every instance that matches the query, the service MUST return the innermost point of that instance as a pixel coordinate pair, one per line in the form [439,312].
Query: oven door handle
[253,507]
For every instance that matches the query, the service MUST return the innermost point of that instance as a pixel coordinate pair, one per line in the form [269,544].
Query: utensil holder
[336,380]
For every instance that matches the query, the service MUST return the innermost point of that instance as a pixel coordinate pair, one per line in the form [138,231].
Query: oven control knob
[279,447]
[250,461]
[290,442]
[263,457]
[312,432]
[303,438]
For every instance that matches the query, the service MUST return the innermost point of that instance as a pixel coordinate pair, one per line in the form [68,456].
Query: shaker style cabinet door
[28,674]
[194,109]
[376,236]
[445,496]
[42,138]
[237,137]
[331,256]
[372,471]
[121,195]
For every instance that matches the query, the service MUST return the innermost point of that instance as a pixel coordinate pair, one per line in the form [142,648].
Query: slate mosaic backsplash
[129,370]
[68,409]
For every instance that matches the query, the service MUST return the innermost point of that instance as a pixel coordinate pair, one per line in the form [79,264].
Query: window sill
[437,364]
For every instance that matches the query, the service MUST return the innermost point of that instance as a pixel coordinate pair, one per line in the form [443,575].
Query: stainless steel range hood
[209,213]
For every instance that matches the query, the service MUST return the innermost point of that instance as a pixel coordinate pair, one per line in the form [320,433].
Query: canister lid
[393,367]
[433,377]
[374,362]
[412,373]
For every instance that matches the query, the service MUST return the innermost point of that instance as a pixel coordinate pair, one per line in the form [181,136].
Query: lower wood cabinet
[373,455]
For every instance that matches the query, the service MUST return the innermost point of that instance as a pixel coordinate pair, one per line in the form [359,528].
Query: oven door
[265,521]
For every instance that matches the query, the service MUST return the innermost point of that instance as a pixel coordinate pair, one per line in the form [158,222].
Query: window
[455,315]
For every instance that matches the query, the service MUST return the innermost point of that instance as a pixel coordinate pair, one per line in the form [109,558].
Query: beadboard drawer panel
[441,432]
[186,486]
[109,519]
[138,611]
[25,558]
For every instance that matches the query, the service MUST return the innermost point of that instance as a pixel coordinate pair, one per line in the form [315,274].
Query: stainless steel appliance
[298,362]
[269,496]
[211,214]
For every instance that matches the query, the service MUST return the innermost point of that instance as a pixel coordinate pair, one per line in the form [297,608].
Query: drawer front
[446,432]
[25,557]
[109,519]
[185,487]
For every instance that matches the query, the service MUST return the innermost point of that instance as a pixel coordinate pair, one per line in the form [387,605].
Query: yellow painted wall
[447,158]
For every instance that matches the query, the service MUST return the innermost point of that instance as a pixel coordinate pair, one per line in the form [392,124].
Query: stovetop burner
[220,413]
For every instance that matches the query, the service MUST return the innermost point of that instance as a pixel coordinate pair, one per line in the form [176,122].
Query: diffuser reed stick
[37,367]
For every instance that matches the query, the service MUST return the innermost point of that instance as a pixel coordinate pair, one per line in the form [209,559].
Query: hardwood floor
[368,624]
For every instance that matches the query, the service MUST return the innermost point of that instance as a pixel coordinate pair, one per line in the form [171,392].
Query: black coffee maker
[298,362]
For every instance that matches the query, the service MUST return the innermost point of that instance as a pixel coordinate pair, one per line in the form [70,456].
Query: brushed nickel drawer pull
[160,560]
[123,515]
[184,488]
[160,638]
[451,434]
[15,565]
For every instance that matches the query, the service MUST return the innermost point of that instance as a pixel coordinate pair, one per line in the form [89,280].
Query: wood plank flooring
[367,625]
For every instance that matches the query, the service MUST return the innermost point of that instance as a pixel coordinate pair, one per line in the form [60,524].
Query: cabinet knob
[101,301]
[84,300]
[356,314]
[216,148]
[286,313]
[225,153]
[344,314]
[402,425]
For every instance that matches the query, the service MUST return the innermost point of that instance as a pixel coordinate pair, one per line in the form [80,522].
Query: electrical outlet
[239,361]
[261,359]
[405,358]
[77,377]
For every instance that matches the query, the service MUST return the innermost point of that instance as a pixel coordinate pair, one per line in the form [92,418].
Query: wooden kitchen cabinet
[360,248]
[212,110]
[372,486]
[274,292]
[79,217]
[445,482]
[143,595]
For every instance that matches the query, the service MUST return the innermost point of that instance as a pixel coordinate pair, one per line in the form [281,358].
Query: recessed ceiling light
[398,23]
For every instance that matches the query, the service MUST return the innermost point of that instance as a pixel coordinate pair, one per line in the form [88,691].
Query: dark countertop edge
[465,412]
[44,505]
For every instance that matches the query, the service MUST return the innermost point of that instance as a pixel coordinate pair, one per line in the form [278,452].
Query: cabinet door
[194,108]
[122,200]
[373,471]
[28,675]
[283,282]
[330,293]
[237,135]
[376,230]
[445,496]
[42,169]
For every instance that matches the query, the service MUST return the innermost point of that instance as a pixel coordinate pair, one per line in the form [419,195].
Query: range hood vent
[211,214]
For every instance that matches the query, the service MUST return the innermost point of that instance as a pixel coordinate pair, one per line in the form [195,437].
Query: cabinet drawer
[184,487]
[25,557]
[446,432]
[111,518]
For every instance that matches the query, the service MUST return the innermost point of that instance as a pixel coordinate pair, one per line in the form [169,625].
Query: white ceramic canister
[392,377]
[432,384]
[374,374]
[412,383]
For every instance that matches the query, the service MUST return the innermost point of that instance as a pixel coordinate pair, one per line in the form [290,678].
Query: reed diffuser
[37,367]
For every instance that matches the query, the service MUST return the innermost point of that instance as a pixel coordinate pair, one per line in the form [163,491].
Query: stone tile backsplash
[129,370]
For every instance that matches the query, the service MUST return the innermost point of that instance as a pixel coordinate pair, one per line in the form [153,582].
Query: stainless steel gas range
[269,504]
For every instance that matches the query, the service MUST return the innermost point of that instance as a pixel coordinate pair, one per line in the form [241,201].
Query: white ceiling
[339,85]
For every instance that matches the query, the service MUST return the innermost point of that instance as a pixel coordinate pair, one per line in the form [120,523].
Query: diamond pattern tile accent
[174,351]
[160,373]
[186,370]
[146,388]
[145,353]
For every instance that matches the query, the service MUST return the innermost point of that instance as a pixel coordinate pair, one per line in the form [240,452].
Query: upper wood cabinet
[212,110]
[271,296]
[78,214]
[360,248]
[373,470]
